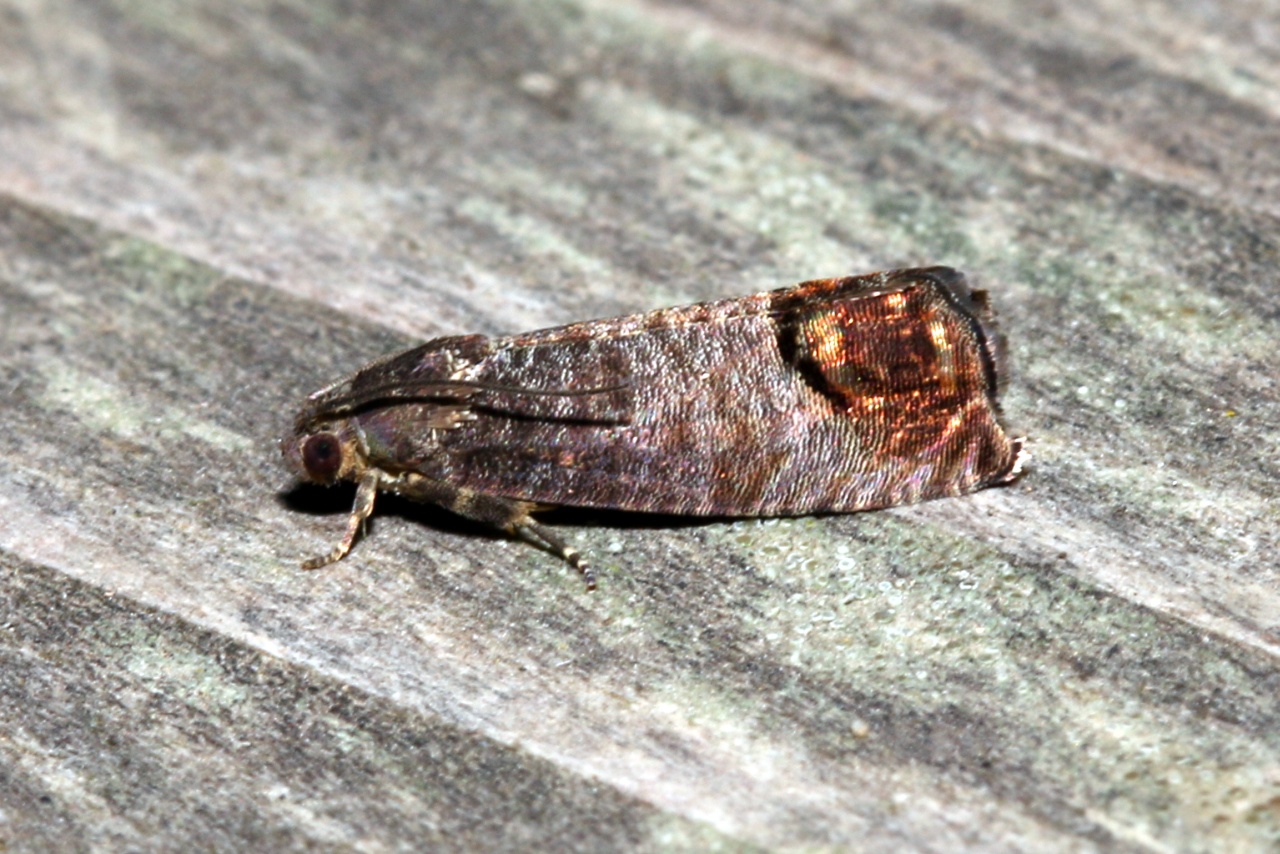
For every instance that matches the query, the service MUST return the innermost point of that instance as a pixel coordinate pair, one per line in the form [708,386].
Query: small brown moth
[834,395]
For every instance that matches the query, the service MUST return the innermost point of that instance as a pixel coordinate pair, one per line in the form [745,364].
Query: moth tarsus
[541,536]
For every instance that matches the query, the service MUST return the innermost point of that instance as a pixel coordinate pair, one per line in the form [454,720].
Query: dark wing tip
[975,306]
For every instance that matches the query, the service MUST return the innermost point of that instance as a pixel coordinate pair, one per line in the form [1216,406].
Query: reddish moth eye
[322,456]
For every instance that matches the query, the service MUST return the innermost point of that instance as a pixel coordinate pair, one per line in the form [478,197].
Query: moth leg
[540,535]
[543,537]
[365,494]
[508,514]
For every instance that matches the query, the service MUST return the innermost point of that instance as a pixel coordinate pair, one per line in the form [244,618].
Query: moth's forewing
[835,395]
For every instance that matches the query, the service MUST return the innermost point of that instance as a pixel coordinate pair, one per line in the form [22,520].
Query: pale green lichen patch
[184,282]
[758,182]
[670,834]
[890,603]
[507,178]
[910,614]
[105,407]
[533,235]
[177,670]
[177,19]
[1167,489]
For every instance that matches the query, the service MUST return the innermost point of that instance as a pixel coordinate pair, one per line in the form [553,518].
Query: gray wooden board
[208,210]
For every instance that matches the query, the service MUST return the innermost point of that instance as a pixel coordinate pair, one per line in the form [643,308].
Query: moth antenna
[546,392]
[451,390]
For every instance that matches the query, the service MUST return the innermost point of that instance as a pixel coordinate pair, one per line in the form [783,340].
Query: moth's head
[323,451]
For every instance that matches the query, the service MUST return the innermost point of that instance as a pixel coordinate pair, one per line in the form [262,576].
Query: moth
[831,396]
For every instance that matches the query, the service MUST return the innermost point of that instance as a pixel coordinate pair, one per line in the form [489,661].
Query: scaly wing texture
[838,395]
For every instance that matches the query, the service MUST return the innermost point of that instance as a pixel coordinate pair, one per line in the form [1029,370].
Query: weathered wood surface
[210,209]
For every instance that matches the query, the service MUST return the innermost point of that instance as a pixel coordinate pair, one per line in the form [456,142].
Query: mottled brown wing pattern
[834,395]
[913,372]
[859,393]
